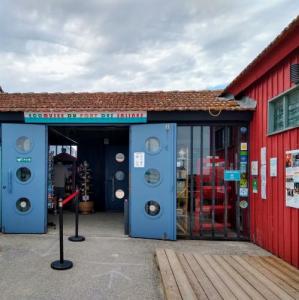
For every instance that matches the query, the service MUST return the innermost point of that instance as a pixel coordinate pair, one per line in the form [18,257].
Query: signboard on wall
[292,178]
[86,117]
[232,175]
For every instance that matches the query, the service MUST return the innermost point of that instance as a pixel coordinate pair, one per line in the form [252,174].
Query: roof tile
[126,101]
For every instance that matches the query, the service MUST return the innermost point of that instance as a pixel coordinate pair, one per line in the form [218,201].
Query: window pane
[152,176]
[293,109]
[278,115]
[24,144]
[152,145]
[74,150]
[67,149]
[53,149]
[59,149]
[23,205]
[152,208]
[23,174]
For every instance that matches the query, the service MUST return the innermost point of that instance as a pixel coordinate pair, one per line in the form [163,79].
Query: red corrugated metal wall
[274,226]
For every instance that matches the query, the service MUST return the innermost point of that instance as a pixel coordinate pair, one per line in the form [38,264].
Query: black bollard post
[61,264]
[76,237]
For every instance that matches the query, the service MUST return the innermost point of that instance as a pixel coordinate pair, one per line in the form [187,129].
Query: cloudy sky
[133,45]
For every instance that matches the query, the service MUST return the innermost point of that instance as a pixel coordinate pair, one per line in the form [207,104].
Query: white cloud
[122,45]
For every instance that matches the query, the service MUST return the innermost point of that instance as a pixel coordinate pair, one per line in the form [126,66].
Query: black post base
[78,238]
[57,265]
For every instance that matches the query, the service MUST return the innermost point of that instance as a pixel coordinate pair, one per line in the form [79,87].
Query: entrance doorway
[209,205]
[95,160]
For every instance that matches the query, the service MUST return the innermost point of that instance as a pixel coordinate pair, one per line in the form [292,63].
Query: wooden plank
[235,288]
[171,289]
[281,272]
[286,277]
[258,263]
[246,286]
[198,290]
[202,278]
[294,275]
[263,279]
[223,290]
[285,264]
[260,287]
[180,276]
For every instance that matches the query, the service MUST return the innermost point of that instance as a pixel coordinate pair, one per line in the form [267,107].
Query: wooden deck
[195,276]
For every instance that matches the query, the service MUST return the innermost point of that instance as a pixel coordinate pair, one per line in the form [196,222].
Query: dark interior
[92,145]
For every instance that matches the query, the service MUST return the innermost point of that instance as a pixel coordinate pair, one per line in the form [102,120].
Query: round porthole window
[24,144]
[119,194]
[23,205]
[119,175]
[152,176]
[120,157]
[152,145]
[23,174]
[152,208]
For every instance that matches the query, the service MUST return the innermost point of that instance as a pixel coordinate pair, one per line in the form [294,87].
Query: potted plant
[85,204]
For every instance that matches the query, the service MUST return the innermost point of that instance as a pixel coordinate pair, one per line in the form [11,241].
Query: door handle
[10,181]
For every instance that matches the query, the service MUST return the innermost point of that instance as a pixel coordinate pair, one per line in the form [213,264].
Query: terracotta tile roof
[292,28]
[128,101]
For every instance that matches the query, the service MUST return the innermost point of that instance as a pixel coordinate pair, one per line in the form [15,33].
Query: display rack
[85,180]
[85,205]
[51,200]
[182,190]
[204,206]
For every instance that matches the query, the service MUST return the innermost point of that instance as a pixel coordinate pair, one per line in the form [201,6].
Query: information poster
[263,156]
[263,181]
[273,166]
[292,178]
[254,168]
[138,159]
[263,173]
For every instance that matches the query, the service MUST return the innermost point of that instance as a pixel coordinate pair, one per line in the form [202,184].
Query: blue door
[152,181]
[116,177]
[24,201]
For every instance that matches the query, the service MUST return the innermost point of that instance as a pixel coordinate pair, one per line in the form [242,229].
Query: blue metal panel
[153,206]
[21,215]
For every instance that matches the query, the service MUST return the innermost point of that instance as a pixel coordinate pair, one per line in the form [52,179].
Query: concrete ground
[108,265]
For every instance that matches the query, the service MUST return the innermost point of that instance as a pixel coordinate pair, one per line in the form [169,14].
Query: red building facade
[274,226]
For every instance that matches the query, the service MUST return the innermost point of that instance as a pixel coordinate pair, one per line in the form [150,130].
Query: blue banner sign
[86,117]
[232,175]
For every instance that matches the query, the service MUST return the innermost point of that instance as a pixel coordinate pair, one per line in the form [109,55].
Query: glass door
[210,203]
